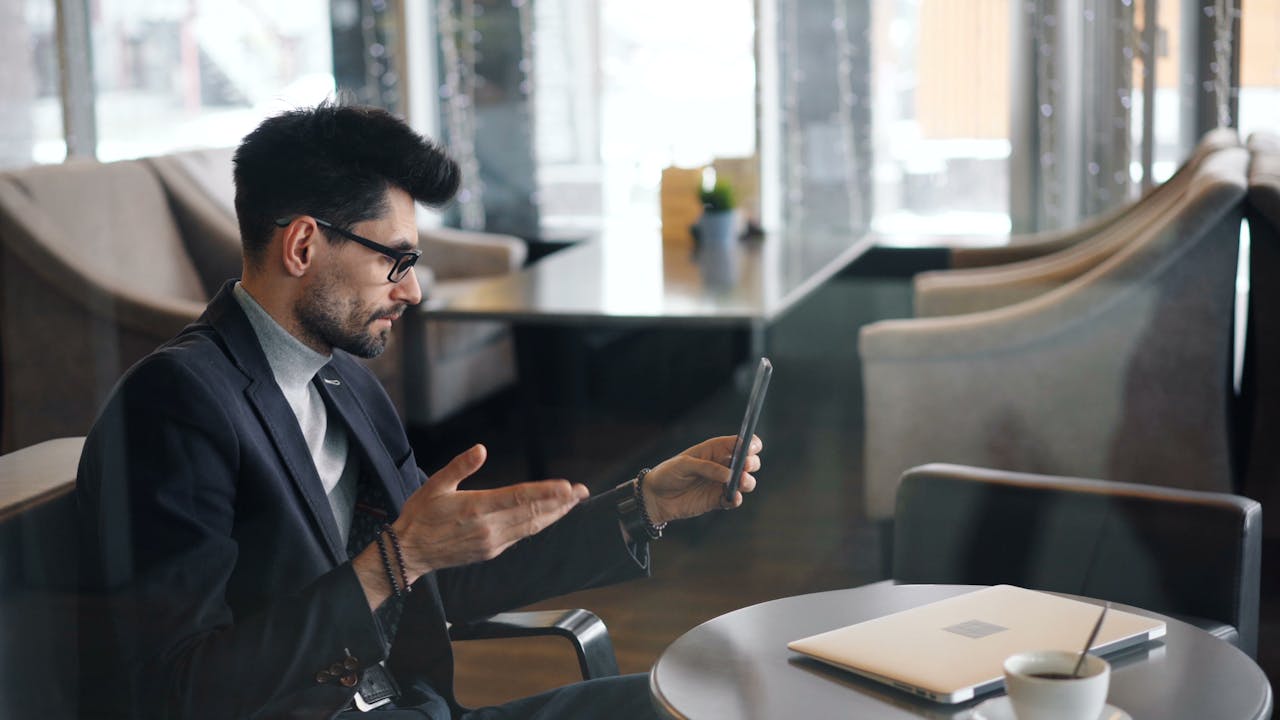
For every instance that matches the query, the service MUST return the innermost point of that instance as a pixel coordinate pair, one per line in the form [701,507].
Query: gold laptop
[951,650]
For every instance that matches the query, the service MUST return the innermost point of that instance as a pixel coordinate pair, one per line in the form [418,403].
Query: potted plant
[717,235]
[718,224]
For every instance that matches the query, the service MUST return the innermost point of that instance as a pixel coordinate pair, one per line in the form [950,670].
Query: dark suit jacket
[216,583]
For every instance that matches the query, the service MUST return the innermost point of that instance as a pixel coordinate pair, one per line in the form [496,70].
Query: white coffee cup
[1037,695]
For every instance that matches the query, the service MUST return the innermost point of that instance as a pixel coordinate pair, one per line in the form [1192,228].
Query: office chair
[39,659]
[1191,555]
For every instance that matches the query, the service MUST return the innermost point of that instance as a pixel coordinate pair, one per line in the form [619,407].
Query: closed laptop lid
[952,649]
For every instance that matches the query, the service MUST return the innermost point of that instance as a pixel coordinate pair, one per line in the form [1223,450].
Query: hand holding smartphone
[740,446]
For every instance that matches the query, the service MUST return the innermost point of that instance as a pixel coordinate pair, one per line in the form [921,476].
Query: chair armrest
[453,254]
[583,628]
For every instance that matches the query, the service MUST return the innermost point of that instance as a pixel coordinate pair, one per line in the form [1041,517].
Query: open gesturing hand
[441,526]
[693,482]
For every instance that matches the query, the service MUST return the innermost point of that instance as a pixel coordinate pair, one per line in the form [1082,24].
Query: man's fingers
[720,449]
[514,523]
[460,468]
[717,473]
[708,470]
[522,494]
[717,449]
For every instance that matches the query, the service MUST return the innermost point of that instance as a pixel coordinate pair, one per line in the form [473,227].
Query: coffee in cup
[1042,685]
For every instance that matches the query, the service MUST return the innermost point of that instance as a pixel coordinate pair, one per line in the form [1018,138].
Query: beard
[343,323]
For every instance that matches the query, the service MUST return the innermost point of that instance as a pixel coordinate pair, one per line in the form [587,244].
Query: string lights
[458,40]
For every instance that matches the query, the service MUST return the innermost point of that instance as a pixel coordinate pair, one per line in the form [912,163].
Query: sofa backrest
[110,221]
[202,196]
[211,167]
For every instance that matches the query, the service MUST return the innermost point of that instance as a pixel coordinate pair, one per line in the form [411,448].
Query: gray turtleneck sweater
[294,366]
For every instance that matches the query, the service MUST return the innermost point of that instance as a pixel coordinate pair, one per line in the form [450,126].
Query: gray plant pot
[718,248]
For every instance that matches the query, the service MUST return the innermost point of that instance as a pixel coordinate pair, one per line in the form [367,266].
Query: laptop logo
[975,629]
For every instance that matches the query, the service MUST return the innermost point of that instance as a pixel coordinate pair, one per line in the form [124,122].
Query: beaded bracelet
[652,529]
[386,565]
[395,543]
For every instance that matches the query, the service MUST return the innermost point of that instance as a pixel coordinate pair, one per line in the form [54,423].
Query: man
[257,538]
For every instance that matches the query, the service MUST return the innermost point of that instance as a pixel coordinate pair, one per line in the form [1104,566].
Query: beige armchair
[95,275]
[1034,265]
[203,201]
[1121,373]
[433,369]
[1033,245]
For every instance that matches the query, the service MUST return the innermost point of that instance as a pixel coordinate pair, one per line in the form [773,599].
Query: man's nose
[408,290]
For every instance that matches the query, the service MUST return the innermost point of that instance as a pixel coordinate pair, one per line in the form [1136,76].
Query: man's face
[350,304]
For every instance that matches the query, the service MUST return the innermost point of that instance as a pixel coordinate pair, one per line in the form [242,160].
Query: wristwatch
[633,514]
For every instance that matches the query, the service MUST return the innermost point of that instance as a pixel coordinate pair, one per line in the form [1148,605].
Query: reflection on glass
[31,129]
[202,73]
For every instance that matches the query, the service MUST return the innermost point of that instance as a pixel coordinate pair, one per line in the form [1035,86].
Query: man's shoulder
[196,354]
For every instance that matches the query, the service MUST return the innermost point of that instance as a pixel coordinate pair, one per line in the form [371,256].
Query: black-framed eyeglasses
[404,259]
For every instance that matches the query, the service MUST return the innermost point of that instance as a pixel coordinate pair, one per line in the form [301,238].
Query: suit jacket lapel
[225,315]
[346,408]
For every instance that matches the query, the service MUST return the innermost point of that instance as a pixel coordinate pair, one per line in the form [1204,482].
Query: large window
[31,129]
[940,116]
[655,84]
[1259,66]
[172,74]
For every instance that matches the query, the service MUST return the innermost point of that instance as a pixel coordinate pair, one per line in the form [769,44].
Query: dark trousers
[617,698]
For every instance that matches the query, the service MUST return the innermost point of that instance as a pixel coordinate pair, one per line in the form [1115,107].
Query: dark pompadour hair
[334,161]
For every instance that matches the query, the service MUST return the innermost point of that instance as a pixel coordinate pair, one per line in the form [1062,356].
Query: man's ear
[297,245]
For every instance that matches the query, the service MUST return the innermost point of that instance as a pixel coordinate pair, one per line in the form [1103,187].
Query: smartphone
[739,458]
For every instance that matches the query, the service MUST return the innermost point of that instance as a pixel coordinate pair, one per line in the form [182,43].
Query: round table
[738,666]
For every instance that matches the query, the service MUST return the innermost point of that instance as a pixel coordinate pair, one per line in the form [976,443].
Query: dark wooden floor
[799,533]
